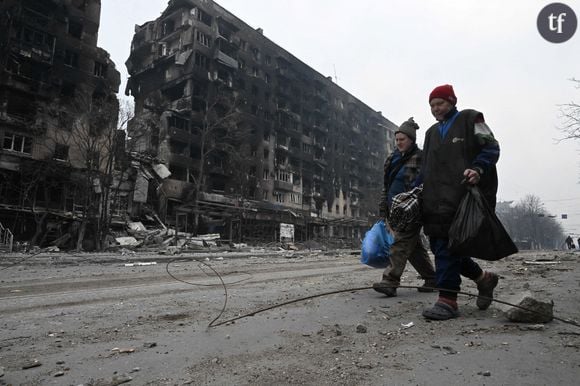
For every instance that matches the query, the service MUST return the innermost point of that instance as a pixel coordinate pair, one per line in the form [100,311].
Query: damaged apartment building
[58,107]
[253,137]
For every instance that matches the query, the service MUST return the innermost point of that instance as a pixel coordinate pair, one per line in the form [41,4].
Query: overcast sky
[391,54]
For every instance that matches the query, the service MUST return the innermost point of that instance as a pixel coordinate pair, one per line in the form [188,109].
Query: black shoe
[485,289]
[428,286]
[385,288]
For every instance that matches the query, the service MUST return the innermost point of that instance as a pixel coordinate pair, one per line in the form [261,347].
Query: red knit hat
[444,92]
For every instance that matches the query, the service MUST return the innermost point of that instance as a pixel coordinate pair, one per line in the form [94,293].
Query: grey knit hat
[409,128]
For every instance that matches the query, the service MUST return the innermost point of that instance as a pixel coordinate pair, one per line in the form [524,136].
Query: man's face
[403,142]
[440,107]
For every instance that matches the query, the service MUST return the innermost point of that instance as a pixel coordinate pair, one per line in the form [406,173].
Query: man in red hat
[460,146]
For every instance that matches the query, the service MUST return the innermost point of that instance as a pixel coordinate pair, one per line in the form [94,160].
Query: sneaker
[485,289]
[386,288]
[428,286]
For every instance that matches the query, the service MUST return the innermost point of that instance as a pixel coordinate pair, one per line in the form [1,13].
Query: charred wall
[310,147]
[50,71]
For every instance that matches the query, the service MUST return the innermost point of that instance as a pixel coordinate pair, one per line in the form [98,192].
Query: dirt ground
[82,319]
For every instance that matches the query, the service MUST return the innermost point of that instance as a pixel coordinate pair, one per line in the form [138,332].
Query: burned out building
[58,112]
[253,137]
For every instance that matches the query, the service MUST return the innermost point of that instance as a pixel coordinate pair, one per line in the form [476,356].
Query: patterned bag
[405,210]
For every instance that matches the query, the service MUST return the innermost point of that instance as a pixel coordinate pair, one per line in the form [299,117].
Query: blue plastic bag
[376,246]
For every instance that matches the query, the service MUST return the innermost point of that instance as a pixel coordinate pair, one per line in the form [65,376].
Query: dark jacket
[445,160]
[400,172]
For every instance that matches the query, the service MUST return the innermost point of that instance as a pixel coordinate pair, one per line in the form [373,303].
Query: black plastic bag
[477,232]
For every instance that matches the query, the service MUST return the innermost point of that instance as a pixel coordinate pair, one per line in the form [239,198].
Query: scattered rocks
[539,312]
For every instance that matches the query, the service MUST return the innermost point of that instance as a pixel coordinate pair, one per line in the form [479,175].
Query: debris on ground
[540,311]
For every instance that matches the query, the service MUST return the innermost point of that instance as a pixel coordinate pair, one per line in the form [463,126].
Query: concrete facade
[310,153]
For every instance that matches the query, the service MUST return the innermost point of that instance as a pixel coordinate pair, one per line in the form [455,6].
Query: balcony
[321,161]
[183,160]
[281,147]
[226,60]
[283,185]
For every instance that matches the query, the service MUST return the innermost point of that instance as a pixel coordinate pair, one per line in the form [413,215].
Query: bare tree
[528,221]
[570,115]
[221,133]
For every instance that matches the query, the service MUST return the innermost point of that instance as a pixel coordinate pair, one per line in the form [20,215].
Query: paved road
[92,320]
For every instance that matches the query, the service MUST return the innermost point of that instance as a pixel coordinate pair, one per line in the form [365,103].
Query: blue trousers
[449,268]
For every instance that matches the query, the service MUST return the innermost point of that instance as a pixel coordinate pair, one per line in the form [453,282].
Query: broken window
[178,147]
[268,59]
[203,17]
[282,175]
[252,171]
[266,174]
[177,123]
[61,152]
[36,38]
[19,106]
[17,143]
[256,53]
[201,60]
[279,196]
[71,58]
[296,178]
[266,153]
[100,70]
[174,93]
[280,159]
[203,39]
[75,29]
[178,172]
[162,49]
[243,45]
[168,27]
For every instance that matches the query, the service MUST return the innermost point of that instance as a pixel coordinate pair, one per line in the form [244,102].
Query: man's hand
[471,176]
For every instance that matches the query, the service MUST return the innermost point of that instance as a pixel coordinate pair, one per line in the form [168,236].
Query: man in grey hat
[401,170]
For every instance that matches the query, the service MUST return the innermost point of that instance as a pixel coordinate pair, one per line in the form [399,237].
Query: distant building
[57,107]
[310,153]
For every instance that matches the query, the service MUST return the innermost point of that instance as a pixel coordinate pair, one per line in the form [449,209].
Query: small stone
[31,364]
[58,374]
[120,379]
[361,329]
[486,373]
